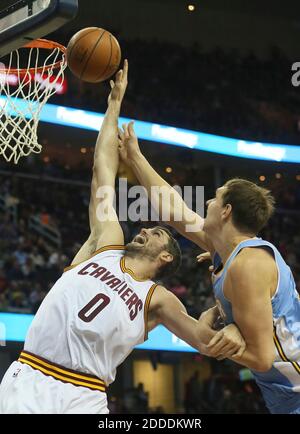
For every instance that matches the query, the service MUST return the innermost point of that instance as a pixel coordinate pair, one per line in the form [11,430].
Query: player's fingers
[229,351]
[125,128]
[122,152]
[112,83]
[119,75]
[121,133]
[118,78]
[203,257]
[221,358]
[240,352]
[215,351]
[217,338]
[221,349]
[122,155]
[221,346]
[131,128]
[239,348]
[125,69]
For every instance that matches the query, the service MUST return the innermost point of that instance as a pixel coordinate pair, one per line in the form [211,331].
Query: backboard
[24,20]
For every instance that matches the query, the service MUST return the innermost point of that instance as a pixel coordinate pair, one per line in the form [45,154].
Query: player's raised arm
[174,210]
[166,309]
[104,225]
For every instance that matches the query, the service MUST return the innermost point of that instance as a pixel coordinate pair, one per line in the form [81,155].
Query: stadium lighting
[157,133]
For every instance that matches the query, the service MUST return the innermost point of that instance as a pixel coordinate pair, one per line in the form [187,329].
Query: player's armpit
[89,249]
[85,252]
[104,222]
[108,229]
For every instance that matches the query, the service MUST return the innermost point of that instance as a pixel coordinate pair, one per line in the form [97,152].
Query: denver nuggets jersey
[93,317]
[281,385]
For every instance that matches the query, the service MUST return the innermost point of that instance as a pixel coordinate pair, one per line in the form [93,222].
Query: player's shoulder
[251,260]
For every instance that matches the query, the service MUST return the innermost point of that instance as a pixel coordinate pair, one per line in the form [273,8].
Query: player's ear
[166,257]
[226,211]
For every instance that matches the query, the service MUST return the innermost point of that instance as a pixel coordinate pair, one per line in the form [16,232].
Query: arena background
[223,70]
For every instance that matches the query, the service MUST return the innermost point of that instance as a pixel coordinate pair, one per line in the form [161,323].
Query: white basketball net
[20,107]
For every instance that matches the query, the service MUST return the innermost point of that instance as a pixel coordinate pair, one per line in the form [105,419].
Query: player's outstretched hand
[118,87]
[228,342]
[205,257]
[128,143]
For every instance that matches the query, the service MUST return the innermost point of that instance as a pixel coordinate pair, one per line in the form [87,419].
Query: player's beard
[132,250]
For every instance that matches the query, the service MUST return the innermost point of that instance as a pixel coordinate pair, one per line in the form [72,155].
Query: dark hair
[252,205]
[173,248]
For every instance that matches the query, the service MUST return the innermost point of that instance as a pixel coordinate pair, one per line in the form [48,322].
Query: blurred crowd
[218,92]
[218,394]
[221,393]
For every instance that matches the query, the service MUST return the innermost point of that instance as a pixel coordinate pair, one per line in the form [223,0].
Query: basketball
[93,54]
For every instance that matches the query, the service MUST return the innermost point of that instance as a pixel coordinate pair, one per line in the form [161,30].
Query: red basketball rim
[39,43]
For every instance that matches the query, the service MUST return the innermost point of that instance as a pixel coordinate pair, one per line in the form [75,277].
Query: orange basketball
[93,54]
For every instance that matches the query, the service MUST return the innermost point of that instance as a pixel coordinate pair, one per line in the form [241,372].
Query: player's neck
[226,241]
[141,268]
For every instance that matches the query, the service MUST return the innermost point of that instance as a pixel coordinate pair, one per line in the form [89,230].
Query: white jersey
[93,317]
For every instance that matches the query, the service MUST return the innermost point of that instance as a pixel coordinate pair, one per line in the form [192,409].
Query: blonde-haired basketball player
[253,285]
[103,305]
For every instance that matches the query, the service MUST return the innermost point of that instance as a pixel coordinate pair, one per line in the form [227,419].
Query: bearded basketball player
[104,304]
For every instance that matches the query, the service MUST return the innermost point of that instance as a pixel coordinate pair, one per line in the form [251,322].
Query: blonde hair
[252,205]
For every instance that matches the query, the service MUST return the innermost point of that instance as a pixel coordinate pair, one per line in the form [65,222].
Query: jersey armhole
[269,249]
[103,249]
[217,262]
[146,308]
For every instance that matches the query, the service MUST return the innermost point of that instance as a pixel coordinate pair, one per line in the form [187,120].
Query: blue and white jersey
[280,386]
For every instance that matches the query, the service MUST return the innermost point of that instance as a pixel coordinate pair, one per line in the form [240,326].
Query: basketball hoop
[20,108]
